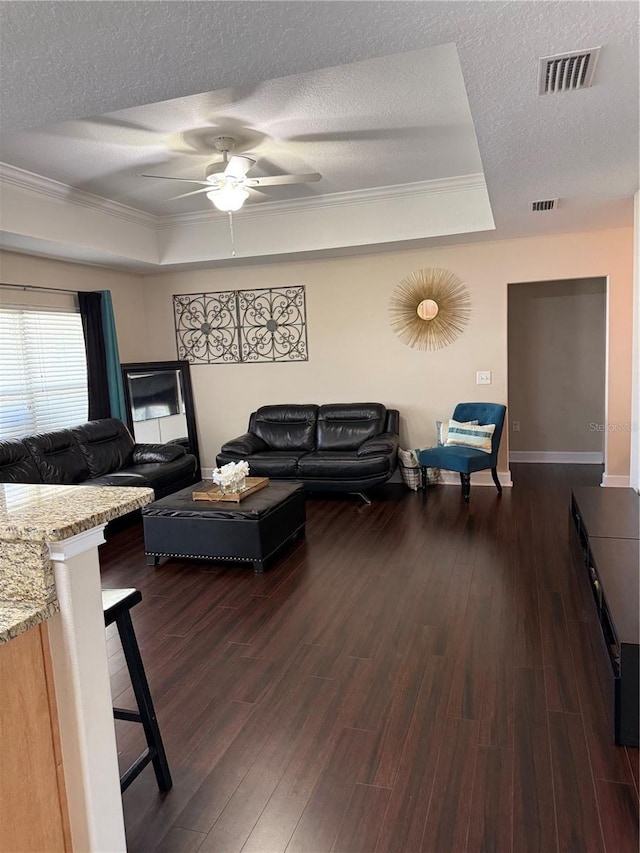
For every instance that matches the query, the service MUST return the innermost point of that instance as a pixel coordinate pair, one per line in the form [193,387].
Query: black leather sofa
[335,447]
[97,453]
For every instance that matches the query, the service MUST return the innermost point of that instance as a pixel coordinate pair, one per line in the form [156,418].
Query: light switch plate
[483,377]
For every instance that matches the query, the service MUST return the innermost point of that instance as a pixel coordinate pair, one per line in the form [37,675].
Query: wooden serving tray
[213,493]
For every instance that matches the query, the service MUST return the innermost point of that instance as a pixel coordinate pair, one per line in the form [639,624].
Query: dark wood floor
[413,676]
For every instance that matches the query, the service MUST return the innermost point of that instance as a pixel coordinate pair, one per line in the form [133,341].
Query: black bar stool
[116,604]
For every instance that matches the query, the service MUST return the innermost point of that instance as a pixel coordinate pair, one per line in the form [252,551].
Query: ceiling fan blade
[193,192]
[364,135]
[274,180]
[184,180]
[237,167]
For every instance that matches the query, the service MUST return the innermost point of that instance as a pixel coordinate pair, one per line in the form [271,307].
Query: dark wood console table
[607,525]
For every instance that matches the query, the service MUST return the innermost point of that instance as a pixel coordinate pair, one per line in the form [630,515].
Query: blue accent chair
[466,460]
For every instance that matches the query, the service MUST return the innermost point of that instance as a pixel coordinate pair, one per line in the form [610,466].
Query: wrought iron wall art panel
[273,324]
[207,327]
[229,327]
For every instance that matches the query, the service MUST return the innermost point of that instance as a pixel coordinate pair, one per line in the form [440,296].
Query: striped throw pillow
[442,429]
[467,435]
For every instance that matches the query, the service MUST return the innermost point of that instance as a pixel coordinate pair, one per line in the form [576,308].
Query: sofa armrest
[384,443]
[245,445]
[144,453]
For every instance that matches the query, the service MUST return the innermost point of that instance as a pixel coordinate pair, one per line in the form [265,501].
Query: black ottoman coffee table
[252,530]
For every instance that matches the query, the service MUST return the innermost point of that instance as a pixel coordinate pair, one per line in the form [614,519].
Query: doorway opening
[557,333]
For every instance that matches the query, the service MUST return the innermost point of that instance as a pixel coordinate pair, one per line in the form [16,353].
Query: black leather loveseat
[97,453]
[334,447]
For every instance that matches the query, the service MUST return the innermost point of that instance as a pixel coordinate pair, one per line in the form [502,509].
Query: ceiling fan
[227,184]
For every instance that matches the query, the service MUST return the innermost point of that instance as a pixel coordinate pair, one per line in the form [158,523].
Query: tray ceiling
[373,96]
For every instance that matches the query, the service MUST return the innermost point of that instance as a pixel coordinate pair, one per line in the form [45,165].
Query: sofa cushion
[286,427]
[279,464]
[16,463]
[345,426]
[156,453]
[341,465]
[119,478]
[58,457]
[163,478]
[106,445]
[165,475]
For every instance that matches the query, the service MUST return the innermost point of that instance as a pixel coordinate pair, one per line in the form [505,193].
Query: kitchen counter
[31,516]
[56,705]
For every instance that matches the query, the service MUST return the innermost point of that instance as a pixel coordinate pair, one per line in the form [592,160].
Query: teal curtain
[114,373]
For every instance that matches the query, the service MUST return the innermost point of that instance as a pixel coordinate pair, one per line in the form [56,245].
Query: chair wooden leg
[465,481]
[494,474]
[423,478]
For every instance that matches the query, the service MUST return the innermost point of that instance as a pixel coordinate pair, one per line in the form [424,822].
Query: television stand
[606,525]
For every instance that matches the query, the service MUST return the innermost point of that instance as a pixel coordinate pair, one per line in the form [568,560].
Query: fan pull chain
[233,249]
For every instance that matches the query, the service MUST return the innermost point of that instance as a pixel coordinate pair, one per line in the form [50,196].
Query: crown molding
[323,202]
[41,186]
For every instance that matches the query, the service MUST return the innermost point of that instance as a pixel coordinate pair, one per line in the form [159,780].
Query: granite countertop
[30,517]
[17,618]
[53,513]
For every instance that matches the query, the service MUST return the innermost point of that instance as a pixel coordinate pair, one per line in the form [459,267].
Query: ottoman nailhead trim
[216,557]
[198,556]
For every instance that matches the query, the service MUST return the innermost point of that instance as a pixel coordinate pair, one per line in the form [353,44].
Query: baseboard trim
[479,478]
[558,456]
[615,481]
[207,473]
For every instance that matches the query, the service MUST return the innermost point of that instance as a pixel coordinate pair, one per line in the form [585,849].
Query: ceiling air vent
[548,204]
[567,71]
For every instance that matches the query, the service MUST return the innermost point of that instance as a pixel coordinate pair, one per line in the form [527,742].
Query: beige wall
[353,354]
[557,365]
[635,391]
[126,293]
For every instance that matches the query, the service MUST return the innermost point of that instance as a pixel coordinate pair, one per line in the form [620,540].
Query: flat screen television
[155,395]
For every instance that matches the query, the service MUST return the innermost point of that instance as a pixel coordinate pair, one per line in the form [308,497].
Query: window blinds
[43,371]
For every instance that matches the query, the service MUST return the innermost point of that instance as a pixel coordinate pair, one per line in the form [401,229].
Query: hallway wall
[557,360]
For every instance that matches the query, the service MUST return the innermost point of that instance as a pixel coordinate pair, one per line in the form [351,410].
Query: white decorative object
[231,477]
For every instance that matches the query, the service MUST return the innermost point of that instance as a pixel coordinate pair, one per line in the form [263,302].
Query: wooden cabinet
[32,796]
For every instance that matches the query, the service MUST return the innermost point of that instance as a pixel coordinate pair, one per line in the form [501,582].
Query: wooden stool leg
[145,705]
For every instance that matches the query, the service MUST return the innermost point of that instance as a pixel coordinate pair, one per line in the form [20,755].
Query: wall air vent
[567,71]
[548,204]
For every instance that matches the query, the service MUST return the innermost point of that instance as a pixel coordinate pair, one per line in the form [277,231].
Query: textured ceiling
[379,122]
[68,67]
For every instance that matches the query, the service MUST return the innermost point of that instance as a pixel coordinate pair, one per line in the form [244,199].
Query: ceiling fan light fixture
[228,198]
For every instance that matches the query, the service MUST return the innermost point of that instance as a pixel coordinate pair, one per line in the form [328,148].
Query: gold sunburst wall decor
[429,309]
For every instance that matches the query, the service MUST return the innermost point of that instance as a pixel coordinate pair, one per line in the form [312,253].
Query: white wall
[354,355]
[557,366]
